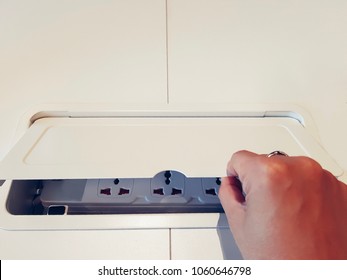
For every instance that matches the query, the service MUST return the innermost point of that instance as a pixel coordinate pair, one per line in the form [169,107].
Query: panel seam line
[167,51]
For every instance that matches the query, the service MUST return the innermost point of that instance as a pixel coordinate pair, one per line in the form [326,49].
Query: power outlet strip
[168,191]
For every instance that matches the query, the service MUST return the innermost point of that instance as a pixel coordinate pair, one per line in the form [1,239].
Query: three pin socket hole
[106,191]
[167,176]
[174,191]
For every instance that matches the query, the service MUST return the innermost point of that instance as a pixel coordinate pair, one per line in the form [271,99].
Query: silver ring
[277,153]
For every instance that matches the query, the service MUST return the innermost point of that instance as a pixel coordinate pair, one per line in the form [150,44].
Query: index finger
[240,164]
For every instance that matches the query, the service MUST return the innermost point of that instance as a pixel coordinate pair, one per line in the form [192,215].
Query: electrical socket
[116,189]
[168,186]
[210,189]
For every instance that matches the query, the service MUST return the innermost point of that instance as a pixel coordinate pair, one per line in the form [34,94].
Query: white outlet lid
[137,147]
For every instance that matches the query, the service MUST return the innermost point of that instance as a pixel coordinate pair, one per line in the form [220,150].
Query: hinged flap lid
[62,148]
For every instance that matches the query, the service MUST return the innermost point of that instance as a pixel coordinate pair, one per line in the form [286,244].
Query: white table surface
[206,51]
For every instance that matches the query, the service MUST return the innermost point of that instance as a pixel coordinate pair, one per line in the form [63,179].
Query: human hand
[293,209]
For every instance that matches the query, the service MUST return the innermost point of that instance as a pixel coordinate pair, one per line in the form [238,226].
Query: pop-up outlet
[115,187]
[210,188]
[168,186]
[168,191]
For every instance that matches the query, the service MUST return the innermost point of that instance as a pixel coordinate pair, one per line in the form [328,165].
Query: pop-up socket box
[138,169]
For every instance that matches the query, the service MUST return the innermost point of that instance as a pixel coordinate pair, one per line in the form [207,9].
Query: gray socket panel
[167,192]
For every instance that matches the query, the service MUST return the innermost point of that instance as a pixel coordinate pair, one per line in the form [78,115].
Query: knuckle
[310,167]
[275,171]
[279,172]
[239,153]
